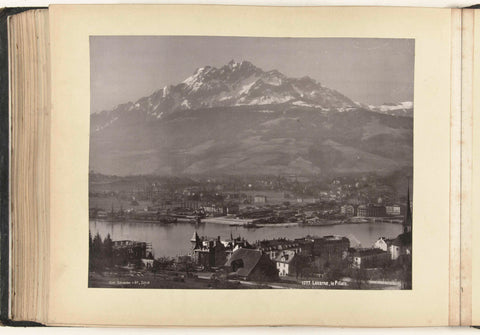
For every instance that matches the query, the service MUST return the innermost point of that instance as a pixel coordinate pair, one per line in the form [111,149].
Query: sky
[371,71]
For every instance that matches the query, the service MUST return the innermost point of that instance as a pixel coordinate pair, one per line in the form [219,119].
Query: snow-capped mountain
[239,119]
[235,84]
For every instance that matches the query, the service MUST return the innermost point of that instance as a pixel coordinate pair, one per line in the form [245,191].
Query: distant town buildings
[371,210]
[348,210]
[393,210]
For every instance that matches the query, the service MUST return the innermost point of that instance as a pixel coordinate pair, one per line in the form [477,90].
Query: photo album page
[240,165]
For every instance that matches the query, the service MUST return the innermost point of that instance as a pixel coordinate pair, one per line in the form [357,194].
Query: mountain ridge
[239,119]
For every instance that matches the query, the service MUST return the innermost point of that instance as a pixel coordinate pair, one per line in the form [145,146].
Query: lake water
[174,239]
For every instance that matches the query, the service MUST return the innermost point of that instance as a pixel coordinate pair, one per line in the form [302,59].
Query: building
[330,248]
[233,244]
[383,244]
[273,248]
[305,245]
[231,209]
[306,200]
[127,251]
[251,264]
[395,250]
[147,263]
[286,263]
[371,210]
[208,252]
[402,245]
[370,258]
[260,199]
[347,210]
[213,209]
[362,211]
[393,210]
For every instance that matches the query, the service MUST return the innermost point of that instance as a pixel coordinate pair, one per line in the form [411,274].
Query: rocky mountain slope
[239,119]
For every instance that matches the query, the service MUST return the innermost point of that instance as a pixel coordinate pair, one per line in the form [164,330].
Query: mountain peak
[237,84]
[244,65]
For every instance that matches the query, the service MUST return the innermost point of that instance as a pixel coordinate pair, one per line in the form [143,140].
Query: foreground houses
[273,248]
[330,248]
[208,252]
[370,258]
[383,244]
[286,263]
[402,245]
[251,264]
[127,250]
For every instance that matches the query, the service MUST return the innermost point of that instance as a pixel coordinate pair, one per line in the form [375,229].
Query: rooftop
[249,257]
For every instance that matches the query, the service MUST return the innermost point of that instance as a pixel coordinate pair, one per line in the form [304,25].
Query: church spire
[195,240]
[407,225]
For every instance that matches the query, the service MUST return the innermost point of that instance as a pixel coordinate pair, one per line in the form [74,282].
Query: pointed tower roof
[195,240]
[195,237]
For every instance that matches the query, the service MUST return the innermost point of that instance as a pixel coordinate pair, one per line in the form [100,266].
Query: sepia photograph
[251,163]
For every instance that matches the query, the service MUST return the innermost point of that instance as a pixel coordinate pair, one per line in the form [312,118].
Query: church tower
[407,223]
[195,243]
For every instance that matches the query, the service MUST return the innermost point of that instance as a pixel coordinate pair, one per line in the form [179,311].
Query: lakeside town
[250,202]
[292,171]
[328,261]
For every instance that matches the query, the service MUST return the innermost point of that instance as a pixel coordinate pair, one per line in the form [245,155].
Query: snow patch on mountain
[404,108]
[185,104]
[245,88]
[234,84]
[392,107]
[103,126]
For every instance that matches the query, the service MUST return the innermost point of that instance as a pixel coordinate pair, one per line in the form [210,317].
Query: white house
[382,243]
[285,263]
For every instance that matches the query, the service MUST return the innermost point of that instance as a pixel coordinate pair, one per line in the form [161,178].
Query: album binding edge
[5,171]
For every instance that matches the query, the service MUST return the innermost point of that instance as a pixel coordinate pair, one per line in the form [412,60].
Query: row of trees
[102,255]
[100,252]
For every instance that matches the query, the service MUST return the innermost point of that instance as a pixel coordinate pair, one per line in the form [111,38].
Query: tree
[97,246]
[359,278]
[163,263]
[90,251]
[301,264]
[186,264]
[97,253]
[108,250]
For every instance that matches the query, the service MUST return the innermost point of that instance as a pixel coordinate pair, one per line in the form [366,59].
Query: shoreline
[248,223]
